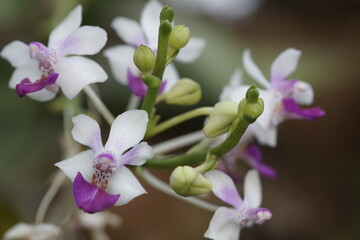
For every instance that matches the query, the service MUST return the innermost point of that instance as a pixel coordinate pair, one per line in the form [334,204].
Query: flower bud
[186,181]
[179,37]
[144,59]
[167,13]
[221,118]
[185,92]
[251,107]
[165,27]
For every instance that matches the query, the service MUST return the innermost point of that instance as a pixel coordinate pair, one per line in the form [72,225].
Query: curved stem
[177,120]
[100,106]
[133,103]
[163,187]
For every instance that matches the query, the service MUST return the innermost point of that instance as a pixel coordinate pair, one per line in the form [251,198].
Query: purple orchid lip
[26,86]
[90,197]
[291,107]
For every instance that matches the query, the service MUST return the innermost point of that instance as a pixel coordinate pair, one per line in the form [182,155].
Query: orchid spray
[105,173]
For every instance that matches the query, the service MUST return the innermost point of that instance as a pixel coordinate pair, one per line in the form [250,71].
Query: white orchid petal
[271,102]
[223,225]
[77,72]
[30,231]
[86,40]
[150,22]
[87,132]
[43,95]
[20,230]
[252,189]
[18,54]
[129,31]
[303,93]
[123,182]
[224,188]
[171,76]
[70,23]
[251,68]
[137,155]
[192,50]
[285,63]
[81,162]
[121,60]
[266,136]
[127,130]
[238,93]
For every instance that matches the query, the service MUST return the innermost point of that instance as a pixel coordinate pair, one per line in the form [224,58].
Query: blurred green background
[316,195]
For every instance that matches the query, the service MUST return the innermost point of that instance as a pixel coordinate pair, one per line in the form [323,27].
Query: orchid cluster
[103,175]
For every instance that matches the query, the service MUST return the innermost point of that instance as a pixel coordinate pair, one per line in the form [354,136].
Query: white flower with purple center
[281,97]
[227,222]
[41,70]
[146,33]
[100,178]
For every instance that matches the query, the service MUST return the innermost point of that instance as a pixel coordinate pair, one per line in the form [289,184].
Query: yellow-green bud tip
[184,92]
[144,59]
[186,181]
[179,37]
[251,107]
[167,13]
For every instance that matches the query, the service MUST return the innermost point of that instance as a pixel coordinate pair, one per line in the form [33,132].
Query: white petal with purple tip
[86,40]
[224,188]
[129,31]
[252,189]
[192,50]
[123,182]
[77,72]
[127,130]
[87,132]
[137,155]
[223,225]
[253,70]
[121,60]
[70,23]
[81,162]
[150,22]
[18,54]
[285,63]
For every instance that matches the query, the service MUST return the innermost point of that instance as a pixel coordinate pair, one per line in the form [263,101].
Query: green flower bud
[221,118]
[185,92]
[186,181]
[179,37]
[251,107]
[144,59]
[165,27]
[167,13]
[152,81]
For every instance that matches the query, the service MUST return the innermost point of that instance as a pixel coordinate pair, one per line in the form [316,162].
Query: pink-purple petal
[26,86]
[91,198]
[253,157]
[136,85]
[294,111]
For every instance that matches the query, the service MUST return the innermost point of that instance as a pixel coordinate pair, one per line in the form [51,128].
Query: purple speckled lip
[26,86]
[90,197]
[291,107]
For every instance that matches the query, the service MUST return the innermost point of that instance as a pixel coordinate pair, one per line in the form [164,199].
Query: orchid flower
[281,97]
[44,231]
[146,33]
[100,178]
[227,222]
[41,70]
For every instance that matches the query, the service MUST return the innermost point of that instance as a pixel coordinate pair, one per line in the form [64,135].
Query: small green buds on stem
[144,59]
[152,81]
[185,92]
[187,181]
[165,27]
[251,107]
[179,37]
[221,118]
[167,13]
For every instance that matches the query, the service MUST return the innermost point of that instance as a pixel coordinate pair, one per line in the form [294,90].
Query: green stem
[200,156]
[160,64]
[177,120]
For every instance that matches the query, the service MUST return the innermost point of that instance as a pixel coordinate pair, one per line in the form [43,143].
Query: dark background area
[316,194]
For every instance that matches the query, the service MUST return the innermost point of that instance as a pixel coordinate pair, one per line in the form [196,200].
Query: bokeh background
[316,194]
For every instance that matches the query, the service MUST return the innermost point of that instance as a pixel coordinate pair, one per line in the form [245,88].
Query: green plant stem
[177,120]
[160,64]
[200,156]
